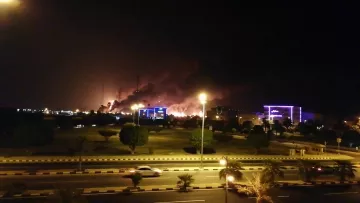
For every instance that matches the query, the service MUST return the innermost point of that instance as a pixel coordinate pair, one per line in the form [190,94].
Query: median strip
[169,158]
[122,171]
[112,190]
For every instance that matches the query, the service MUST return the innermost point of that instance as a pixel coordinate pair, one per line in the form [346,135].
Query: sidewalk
[160,158]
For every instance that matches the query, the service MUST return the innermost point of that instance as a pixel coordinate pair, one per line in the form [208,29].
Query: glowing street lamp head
[230,178]
[134,107]
[222,162]
[9,2]
[202,98]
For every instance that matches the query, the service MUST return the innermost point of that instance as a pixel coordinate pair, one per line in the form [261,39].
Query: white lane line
[212,176]
[183,201]
[341,193]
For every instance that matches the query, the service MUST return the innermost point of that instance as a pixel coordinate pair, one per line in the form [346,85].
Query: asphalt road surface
[99,165]
[291,195]
[117,180]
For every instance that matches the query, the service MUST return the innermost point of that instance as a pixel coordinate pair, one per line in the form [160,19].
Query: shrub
[107,134]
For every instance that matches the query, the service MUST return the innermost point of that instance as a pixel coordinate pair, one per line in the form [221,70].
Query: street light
[134,108]
[203,99]
[228,178]
[139,107]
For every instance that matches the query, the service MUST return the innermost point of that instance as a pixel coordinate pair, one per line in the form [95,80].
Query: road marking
[283,196]
[341,193]
[183,201]
[212,176]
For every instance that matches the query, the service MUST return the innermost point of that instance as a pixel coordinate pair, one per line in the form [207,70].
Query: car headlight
[132,171]
[157,170]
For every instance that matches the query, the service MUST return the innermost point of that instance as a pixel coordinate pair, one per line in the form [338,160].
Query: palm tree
[345,170]
[233,169]
[307,170]
[258,188]
[271,170]
[185,181]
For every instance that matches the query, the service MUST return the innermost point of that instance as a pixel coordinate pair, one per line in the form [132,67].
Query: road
[115,180]
[293,195]
[100,165]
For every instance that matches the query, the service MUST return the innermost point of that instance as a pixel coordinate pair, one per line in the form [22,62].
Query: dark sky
[59,53]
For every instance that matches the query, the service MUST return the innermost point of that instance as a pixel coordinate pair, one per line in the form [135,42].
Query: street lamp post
[228,178]
[134,107]
[139,107]
[203,99]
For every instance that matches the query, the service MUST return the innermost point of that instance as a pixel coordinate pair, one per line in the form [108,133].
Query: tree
[271,170]
[133,136]
[345,170]
[232,168]
[107,134]
[136,179]
[278,127]
[287,123]
[307,170]
[195,138]
[185,181]
[258,188]
[247,126]
[258,138]
[79,147]
[266,124]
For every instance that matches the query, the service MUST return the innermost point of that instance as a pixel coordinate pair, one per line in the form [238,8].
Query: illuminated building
[153,113]
[222,113]
[278,112]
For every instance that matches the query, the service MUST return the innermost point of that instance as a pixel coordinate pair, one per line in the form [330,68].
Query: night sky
[59,54]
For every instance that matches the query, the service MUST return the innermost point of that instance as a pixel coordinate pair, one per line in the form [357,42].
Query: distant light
[217,117]
[18,110]
[93,125]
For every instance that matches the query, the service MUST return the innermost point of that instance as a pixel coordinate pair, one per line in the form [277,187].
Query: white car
[146,171]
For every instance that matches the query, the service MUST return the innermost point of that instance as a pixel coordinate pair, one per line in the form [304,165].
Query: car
[323,170]
[146,171]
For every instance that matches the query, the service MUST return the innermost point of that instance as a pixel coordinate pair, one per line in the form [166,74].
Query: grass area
[165,142]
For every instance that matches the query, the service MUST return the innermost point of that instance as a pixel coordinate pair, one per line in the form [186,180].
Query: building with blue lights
[278,112]
[153,113]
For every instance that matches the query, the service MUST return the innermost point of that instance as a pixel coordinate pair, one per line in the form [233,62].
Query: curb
[127,190]
[122,171]
[158,159]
